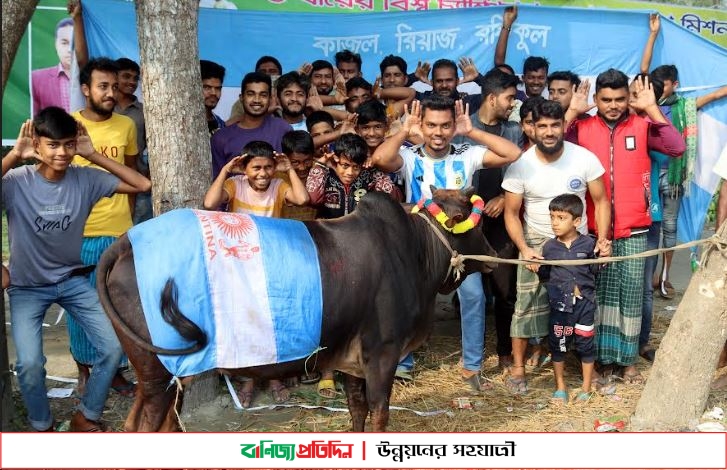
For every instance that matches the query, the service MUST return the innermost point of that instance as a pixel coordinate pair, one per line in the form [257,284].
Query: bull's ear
[432,188]
[468,192]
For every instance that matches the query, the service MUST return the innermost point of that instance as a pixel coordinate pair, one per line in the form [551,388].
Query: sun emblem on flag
[233,225]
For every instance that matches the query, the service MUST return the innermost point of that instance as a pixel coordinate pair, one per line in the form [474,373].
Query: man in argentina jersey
[438,162]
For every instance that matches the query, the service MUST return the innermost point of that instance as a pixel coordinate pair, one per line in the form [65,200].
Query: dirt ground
[435,390]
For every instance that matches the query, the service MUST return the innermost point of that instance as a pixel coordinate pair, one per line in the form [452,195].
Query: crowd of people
[562,179]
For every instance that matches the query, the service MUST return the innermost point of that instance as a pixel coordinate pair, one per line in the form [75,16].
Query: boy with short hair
[337,190]
[47,206]
[298,146]
[256,191]
[571,292]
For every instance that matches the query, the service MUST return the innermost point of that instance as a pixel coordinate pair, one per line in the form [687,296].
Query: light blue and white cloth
[252,284]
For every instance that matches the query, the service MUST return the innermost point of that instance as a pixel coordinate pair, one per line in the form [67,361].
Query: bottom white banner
[358,450]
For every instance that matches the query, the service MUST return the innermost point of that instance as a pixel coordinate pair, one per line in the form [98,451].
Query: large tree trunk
[676,393]
[16,15]
[176,128]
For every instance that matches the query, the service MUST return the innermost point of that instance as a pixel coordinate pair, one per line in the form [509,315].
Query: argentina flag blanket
[252,284]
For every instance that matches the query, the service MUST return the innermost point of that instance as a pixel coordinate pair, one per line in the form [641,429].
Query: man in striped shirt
[439,163]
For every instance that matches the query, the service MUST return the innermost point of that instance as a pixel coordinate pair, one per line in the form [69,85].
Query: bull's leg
[357,404]
[379,371]
[153,406]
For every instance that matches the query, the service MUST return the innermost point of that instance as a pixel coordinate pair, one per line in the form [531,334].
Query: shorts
[573,330]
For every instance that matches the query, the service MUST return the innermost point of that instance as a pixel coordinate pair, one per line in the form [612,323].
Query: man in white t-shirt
[439,163]
[549,168]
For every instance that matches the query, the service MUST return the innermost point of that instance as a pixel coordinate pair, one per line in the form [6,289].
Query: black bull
[381,270]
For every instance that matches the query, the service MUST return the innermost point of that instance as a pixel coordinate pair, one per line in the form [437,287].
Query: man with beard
[498,95]
[549,168]
[255,124]
[444,83]
[448,166]
[114,137]
[213,75]
[292,96]
[622,141]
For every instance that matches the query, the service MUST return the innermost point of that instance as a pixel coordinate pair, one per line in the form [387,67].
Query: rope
[180,389]
[712,242]
[456,261]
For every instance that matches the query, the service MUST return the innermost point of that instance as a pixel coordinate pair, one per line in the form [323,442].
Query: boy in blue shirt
[572,293]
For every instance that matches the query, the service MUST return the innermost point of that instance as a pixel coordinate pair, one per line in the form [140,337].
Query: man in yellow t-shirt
[113,136]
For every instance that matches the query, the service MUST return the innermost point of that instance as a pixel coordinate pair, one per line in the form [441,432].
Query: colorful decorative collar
[478,205]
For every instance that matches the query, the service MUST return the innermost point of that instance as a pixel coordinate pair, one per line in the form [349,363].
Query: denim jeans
[670,210]
[472,316]
[27,309]
[647,307]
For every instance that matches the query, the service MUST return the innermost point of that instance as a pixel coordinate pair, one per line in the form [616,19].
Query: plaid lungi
[619,288]
[532,310]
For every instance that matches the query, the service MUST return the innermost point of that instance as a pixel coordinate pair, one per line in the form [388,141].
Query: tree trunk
[176,129]
[16,15]
[676,393]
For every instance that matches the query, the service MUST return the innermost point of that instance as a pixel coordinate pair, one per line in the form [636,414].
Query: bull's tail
[175,317]
[121,248]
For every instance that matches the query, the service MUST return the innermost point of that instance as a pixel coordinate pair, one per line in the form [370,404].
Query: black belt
[82,271]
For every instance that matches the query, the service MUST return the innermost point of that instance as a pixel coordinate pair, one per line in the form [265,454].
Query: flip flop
[560,397]
[517,385]
[309,379]
[666,290]
[87,425]
[584,397]
[327,389]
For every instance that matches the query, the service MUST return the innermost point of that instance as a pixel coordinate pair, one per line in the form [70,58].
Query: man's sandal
[560,397]
[327,389]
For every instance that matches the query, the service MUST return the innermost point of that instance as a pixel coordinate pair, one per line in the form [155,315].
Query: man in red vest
[621,142]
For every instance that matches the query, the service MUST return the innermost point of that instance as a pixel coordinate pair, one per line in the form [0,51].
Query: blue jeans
[472,313]
[670,210]
[647,307]
[27,308]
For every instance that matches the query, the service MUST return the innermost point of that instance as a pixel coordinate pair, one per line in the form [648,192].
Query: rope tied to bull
[456,261]
[713,242]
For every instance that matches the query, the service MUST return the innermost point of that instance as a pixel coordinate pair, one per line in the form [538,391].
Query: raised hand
[376,88]
[340,86]
[84,146]
[24,145]
[654,23]
[469,69]
[579,101]
[74,8]
[348,126]
[413,120]
[282,162]
[234,166]
[509,17]
[327,155]
[462,118]
[305,68]
[422,72]
[314,100]
[643,95]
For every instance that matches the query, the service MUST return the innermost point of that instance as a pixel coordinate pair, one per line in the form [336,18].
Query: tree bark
[176,128]
[676,393]
[16,15]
